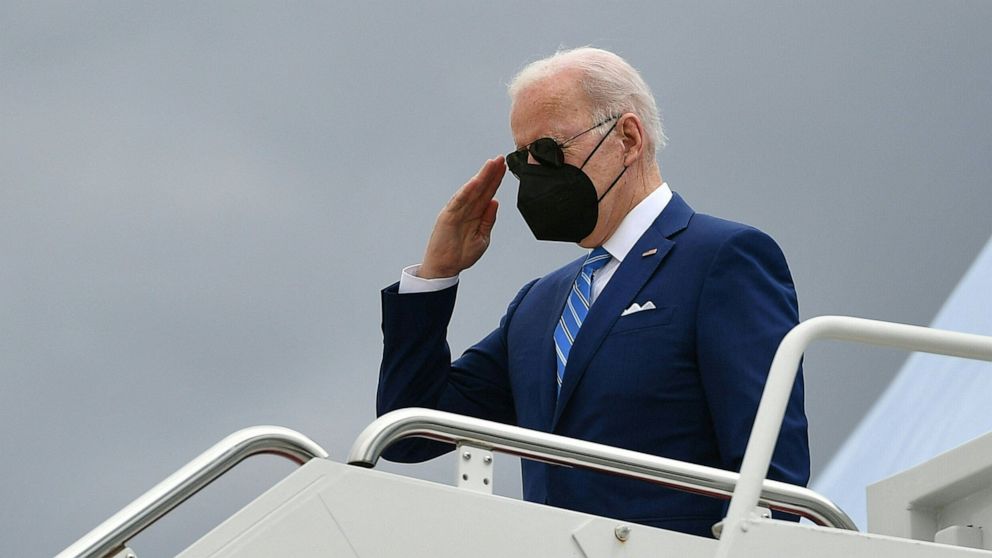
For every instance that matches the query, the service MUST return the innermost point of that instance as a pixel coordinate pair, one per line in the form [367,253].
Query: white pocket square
[635,307]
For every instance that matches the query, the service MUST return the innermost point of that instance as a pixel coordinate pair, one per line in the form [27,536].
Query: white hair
[612,86]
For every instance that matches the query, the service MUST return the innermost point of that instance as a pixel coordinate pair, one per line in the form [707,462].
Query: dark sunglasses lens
[518,157]
[547,152]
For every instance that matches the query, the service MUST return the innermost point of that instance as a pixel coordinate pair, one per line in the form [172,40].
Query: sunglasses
[548,152]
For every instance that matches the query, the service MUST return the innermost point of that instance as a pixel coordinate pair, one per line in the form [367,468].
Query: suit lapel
[629,279]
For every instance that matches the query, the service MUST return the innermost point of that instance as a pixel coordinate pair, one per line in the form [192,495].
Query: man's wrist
[427,270]
[412,282]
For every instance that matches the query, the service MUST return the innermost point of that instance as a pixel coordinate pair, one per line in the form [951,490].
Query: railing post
[782,375]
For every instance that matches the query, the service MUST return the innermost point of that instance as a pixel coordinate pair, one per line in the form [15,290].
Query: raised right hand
[462,231]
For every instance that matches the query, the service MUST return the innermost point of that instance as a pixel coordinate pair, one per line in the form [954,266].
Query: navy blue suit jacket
[681,381]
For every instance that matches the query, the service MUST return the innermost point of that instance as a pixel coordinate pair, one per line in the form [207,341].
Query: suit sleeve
[747,305]
[417,371]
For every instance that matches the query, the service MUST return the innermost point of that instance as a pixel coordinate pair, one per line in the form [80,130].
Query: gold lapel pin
[650,252]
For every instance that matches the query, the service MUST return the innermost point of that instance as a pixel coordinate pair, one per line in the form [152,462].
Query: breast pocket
[644,319]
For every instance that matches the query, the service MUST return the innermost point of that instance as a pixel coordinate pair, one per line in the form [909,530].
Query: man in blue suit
[658,340]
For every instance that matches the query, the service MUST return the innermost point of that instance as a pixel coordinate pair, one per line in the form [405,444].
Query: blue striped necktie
[576,308]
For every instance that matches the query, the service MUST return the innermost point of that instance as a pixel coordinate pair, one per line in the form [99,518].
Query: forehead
[552,107]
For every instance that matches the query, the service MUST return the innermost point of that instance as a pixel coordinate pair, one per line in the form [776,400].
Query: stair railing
[110,537]
[782,374]
[560,450]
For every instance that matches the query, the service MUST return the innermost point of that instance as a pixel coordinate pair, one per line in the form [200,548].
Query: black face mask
[557,200]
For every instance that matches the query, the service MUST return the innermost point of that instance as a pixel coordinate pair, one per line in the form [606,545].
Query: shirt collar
[637,221]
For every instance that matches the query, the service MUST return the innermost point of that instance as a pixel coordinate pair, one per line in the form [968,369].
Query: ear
[632,136]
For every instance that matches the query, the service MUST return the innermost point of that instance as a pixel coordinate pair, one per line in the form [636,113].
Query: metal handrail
[560,450]
[782,375]
[110,536]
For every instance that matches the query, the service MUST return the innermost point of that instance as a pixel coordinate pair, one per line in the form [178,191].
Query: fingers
[494,178]
[469,191]
[486,183]
[488,218]
[480,188]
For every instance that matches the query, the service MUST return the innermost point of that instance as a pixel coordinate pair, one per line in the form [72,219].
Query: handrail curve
[110,536]
[782,375]
[560,450]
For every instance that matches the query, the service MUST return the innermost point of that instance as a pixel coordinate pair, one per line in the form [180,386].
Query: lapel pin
[650,252]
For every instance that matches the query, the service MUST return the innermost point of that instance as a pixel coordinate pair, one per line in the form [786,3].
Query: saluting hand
[462,230]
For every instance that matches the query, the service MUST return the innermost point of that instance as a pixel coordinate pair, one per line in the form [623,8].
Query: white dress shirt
[618,245]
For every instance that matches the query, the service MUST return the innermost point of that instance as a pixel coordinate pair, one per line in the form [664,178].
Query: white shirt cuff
[410,283]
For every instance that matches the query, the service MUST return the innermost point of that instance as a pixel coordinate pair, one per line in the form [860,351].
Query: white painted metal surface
[768,538]
[968,536]
[950,495]
[475,468]
[327,509]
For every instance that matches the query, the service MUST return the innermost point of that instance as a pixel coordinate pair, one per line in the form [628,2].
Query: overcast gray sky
[199,203]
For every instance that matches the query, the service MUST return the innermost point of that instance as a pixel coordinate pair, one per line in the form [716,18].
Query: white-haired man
[658,340]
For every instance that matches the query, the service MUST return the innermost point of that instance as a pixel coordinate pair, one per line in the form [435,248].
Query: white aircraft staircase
[329,509]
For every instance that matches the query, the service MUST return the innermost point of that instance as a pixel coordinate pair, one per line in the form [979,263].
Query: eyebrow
[559,139]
